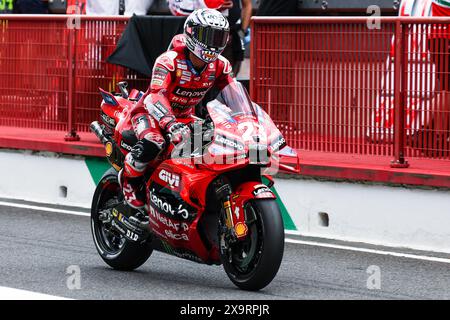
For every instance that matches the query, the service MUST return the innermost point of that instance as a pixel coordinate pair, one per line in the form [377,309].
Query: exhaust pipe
[98,131]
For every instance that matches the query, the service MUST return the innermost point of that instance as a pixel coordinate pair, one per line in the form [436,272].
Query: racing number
[249,129]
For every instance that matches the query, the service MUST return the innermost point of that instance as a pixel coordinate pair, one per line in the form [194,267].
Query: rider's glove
[178,132]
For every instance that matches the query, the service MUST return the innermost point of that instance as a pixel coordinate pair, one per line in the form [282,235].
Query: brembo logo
[172,179]
[228,142]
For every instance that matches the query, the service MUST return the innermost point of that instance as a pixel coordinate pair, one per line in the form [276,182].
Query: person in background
[31,6]
[439,44]
[239,17]
[278,8]
[6,6]
[186,7]
[117,7]
[76,7]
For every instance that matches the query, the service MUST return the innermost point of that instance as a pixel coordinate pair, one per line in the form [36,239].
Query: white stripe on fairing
[302,242]
[16,294]
[366,250]
[39,208]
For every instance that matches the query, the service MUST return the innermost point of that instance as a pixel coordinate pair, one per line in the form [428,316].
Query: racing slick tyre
[118,252]
[254,262]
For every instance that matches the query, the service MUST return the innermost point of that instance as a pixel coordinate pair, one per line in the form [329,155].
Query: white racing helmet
[207,32]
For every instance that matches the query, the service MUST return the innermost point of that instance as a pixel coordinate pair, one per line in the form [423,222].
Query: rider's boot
[131,188]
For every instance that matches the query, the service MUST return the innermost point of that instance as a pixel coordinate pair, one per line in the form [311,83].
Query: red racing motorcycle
[208,199]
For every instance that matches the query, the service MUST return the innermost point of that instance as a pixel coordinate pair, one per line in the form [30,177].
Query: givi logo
[171,178]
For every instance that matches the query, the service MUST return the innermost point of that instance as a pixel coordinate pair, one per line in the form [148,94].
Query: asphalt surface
[37,247]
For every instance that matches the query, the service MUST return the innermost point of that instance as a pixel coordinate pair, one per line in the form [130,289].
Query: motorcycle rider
[181,77]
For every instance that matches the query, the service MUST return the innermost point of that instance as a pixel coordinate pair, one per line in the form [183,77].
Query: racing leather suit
[175,89]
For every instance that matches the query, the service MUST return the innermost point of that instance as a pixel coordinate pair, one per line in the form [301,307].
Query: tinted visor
[212,38]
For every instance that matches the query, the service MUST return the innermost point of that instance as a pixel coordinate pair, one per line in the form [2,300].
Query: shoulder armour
[167,59]
[227,69]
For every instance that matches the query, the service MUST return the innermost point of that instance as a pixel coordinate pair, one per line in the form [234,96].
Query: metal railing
[356,85]
[52,66]
[336,85]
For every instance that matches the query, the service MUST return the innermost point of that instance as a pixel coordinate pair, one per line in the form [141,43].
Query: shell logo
[108,148]
[241,229]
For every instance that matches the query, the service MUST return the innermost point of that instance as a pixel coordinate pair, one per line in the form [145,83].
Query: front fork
[235,227]
[234,204]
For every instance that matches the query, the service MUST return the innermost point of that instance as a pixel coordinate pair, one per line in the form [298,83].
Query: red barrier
[349,96]
[51,68]
[348,86]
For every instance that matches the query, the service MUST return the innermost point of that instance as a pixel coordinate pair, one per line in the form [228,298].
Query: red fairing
[181,200]
[244,193]
[190,184]
[176,87]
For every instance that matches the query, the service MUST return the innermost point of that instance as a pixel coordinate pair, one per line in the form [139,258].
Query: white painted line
[365,250]
[26,206]
[293,232]
[16,294]
[308,243]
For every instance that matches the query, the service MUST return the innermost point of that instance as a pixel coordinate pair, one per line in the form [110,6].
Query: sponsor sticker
[182,65]
[263,192]
[167,208]
[160,73]
[176,236]
[172,179]
[157,82]
[108,120]
[190,93]
[220,139]
[108,148]
[177,226]
[278,143]
[125,146]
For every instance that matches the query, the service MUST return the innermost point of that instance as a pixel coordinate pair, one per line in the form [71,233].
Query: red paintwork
[179,185]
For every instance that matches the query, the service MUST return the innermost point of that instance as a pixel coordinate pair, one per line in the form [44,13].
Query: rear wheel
[251,264]
[118,252]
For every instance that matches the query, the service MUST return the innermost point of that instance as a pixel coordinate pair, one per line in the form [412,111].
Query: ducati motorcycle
[208,199]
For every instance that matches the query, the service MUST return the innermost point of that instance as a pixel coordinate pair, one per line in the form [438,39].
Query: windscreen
[236,99]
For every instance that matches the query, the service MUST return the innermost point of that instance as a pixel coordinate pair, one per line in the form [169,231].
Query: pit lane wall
[375,214]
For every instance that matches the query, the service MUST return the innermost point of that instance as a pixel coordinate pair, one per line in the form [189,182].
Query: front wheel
[251,264]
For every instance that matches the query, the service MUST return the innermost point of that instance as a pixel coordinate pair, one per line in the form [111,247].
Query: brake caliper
[235,226]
